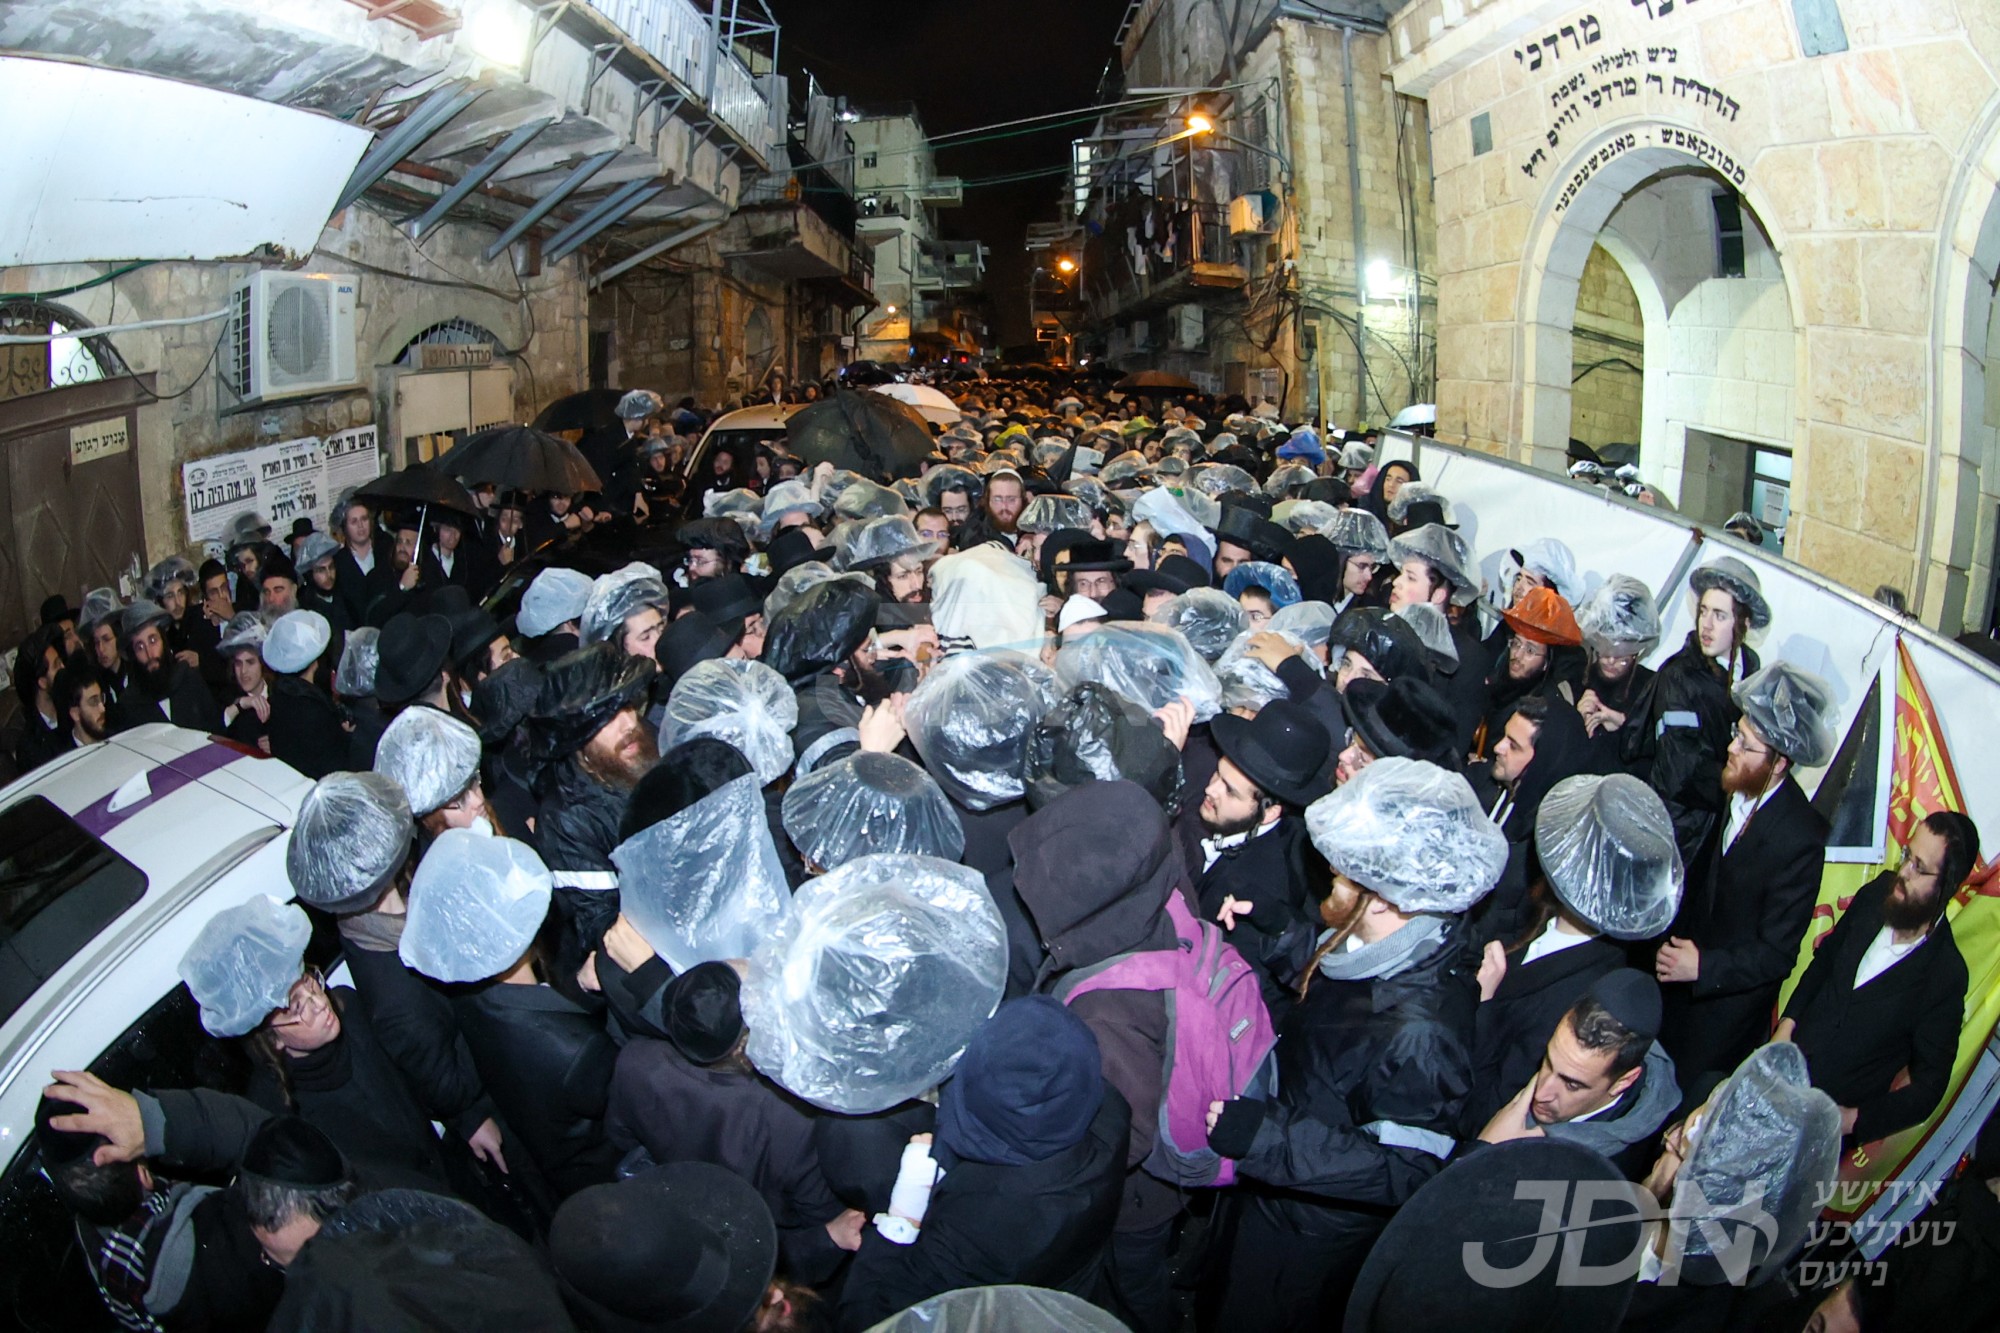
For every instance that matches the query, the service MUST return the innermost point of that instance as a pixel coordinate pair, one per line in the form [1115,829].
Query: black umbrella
[593,409]
[869,433]
[521,458]
[867,373]
[1154,379]
[422,485]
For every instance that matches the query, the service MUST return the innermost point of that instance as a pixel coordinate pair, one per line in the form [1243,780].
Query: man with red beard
[1885,992]
[593,743]
[1750,893]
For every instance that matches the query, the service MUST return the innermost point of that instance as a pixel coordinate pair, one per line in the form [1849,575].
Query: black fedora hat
[1422,1275]
[471,631]
[56,609]
[726,603]
[1096,555]
[1143,581]
[413,650]
[685,1248]
[1405,719]
[1283,750]
[1243,526]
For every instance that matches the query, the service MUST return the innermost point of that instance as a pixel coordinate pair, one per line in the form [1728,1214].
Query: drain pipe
[1360,223]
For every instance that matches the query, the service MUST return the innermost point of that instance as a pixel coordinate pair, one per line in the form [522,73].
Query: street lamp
[1066,265]
[1198,122]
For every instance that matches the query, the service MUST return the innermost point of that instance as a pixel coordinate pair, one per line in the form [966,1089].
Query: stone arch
[1959,499]
[503,316]
[1653,444]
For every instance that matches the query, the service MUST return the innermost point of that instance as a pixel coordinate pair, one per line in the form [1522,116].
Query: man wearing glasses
[1752,885]
[1885,992]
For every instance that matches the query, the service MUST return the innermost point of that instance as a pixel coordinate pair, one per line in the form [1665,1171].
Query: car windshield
[59,887]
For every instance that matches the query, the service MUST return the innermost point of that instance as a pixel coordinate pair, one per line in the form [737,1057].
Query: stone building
[921,281]
[1802,202]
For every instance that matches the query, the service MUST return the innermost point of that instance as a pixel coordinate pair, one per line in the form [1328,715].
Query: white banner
[282,482]
[352,459]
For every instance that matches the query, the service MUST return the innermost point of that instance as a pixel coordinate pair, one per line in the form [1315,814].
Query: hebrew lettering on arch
[1593,31]
[1570,32]
[1646,5]
[1534,55]
[1655,81]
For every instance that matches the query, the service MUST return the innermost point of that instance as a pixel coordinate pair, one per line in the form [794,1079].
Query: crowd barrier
[1915,715]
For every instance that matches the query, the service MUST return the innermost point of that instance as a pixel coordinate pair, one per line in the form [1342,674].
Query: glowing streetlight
[1198,122]
[1066,265]
[889,309]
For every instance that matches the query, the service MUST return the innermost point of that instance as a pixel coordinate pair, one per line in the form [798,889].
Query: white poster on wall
[216,490]
[282,482]
[352,459]
[291,483]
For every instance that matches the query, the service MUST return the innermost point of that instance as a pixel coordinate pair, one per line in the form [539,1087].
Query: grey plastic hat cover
[1793,709]
[952,477]
[556,597]
[246,630]
[1767,1149]
[786,497]
[1169,515]
[1607,846]
[879,541]
[1356,456]
[1130,468]
[1001,1309]
[970,717]
[1306,623]
[868,993]
[745,703]
[1434,629]
[1300,517]
[1412,833]
[1286,476]
[174,569]
[1095,734]
[1048,451]
[706,884]
[1735,578]
[1417,492]
[1207,511]
[868,803]
[617,595]
[1048,513]
[638,405]
[1211,619]
[1446,552]
[1152,665]
[1358,532]
[139,614]
[295,641]
[1545,558]
[743,505]
[352,832]
[99,604]
[1092,492]
[476,903]
[1619,618]
[316,549]
[1218,479]
[865,499]
[1248,683]
[431,754]
[243,963]
[359,656]
[795,582]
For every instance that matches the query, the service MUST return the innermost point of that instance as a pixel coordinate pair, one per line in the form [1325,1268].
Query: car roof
[762,416]
[208,822]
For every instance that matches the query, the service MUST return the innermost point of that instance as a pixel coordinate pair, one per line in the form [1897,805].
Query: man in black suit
[364,566]
[1749,903]
[1885,992]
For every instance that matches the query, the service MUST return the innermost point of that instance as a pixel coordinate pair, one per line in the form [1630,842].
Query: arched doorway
[1958,579]
[448,383]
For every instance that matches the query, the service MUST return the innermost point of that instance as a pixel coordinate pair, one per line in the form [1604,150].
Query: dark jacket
[179,696]
[1613,751]
[1562,750]
[547,1065]
[1907,1018]
[986,850]
[1511,1030]
[369,722]
[1046,1224]
[38,742]
[305,728]
[357,591]
[683,1112]
[1746,913]
[577,829]
[1683,741]
[1282,877]
[413,1021]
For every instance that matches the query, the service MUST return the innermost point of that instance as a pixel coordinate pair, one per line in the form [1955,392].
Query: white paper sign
[98,439]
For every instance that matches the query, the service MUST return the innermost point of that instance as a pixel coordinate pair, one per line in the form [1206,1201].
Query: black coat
[1857,1041]
[39,742]
[1746,913]
[182,698]
[412,1019]
[357,591]
[369,722]
[547,1065]
[1683,741]
[734,1118]
[304,728]
[987,852]
[1511,1030]
[1282,877]
[577,829]
[1046,1224]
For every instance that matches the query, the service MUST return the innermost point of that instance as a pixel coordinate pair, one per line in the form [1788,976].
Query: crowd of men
[1481,899]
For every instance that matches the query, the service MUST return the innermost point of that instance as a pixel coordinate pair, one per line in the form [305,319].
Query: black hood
[1094,868]
[1562,750]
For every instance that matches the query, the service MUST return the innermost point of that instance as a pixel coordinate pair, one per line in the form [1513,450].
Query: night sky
[968,63]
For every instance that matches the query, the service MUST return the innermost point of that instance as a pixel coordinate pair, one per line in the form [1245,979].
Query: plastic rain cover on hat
[1607,846]
[1412,833]
[1766,1150]
[1619,618]
[617,595]
[868,993]
[1416,493]
[1048,513]
[880,540]
[1287,476]
[1130,468]
[476,902]
[1300,517]
[1358,532]
[638,405]
[795,582]
[705,885]
[1433,629]
[431,754]
[740,503]
[1218,479]
[1095,734]
[1307,624]
[970,719]
[295,641]
[1010,1309]
[1248,683]
[1168,515]
[359,656]
[556,597]
[865,499]
[246,629]
[98,604]
[1545,558]
[745,703]
[868,803]
[951,477]
[793,496]
[174,569]
[1445,551]
[1209,618]
[1149,664]
[1793,709]
[351,834]
[988,595]
[1275,580]
[1725,572]
[243,963]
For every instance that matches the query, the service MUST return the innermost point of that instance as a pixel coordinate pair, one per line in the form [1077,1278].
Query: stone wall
[1606,399]
[1873,169]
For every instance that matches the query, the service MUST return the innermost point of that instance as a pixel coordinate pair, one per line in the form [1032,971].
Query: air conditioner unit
[292,335]
[1254,214]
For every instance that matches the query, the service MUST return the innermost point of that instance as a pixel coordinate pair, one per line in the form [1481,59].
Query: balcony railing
[682,38]
[1185,240]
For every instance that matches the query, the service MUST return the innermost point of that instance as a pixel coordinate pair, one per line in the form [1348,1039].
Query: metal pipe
[1360,223]
[405,138]
[585,169]
[657,248]
[584,228]
[479,174]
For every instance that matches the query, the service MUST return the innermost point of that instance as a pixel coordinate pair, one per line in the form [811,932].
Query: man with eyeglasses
[1751,889]
[1885,991]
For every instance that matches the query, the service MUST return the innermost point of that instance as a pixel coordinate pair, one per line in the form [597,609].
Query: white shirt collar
[1213,848]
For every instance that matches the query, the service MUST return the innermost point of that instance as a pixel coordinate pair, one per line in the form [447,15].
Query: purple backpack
[1219,1037]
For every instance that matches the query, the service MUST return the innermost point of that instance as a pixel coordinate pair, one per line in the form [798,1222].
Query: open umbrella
[520,458]
[420,485]
[868,433]
[593,409]
[1154,379]
[931,405]
[1416,414]
[857,373]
